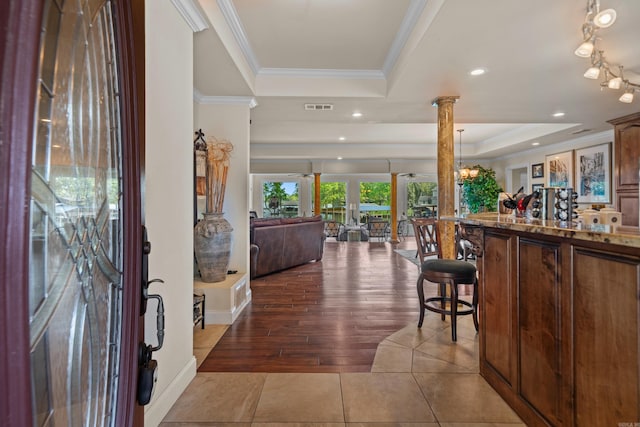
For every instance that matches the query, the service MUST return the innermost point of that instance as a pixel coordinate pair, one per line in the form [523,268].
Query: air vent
[579,131]
[318,107]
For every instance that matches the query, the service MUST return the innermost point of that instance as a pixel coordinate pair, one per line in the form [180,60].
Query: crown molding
[231,16]
[200,98]
[408,23]
[406,28]
[192,14]
[321,73]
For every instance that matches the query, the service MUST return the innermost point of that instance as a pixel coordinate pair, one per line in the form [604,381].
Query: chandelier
[464,172]
[594,21]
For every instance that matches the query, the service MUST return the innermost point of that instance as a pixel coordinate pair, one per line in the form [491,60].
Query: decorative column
[316,194]
[394,207]
[446,182]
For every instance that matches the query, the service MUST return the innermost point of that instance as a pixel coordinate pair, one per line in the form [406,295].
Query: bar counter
[559,310]
[618,235]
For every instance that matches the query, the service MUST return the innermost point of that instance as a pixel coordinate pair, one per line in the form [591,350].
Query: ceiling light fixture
[536,143]
[464,172]
[477,72]
[595,20]
[356,114]
[342,138]
[558,114]
[627,96]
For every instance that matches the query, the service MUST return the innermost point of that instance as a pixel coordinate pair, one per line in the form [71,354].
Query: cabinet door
[627,165]
[539,313]
[606,309]
[498,296]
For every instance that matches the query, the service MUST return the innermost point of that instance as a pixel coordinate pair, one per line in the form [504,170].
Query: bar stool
[444,272]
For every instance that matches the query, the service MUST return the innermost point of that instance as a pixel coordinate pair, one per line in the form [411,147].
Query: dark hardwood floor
[326,316]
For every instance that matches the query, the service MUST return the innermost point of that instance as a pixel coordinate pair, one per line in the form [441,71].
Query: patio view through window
[280,199]
[333,196]
[422,199]
[375,201]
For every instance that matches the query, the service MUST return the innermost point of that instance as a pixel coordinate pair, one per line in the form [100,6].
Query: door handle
[147,366]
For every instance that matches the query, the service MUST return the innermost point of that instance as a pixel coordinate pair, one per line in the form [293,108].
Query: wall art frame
[536,187]
[560,169]
[537,170]
[593,173]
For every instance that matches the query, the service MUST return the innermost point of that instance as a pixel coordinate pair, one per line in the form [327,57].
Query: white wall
[168,201]
[231,122]
[505,165]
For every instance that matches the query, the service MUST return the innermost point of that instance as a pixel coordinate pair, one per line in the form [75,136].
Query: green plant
[481,192]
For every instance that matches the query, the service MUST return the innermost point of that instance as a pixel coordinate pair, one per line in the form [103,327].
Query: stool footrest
[444,311]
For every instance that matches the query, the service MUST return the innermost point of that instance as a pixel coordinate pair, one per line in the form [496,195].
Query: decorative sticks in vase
[218,154]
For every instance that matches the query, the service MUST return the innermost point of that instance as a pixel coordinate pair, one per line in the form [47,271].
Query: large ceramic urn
[212,234]
[212,245]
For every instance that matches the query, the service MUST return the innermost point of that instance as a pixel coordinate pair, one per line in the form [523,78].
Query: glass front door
[76,232]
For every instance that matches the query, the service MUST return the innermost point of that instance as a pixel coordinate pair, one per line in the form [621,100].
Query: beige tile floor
[419,378]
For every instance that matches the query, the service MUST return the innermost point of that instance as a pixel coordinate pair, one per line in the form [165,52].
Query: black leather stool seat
[463,271]
[451,272]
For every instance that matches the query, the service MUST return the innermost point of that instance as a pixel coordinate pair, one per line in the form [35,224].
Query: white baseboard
[160,404]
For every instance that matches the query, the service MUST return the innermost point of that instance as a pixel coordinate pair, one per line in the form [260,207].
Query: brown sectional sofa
[281,243]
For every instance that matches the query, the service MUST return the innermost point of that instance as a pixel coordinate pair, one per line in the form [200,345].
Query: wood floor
[326,316]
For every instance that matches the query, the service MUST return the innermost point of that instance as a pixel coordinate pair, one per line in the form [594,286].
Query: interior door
[70,210]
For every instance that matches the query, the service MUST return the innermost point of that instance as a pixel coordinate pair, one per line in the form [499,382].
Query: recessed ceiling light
[478,71]
[356,114]
[535,143]
[559,114]
[339,158]
[342,138]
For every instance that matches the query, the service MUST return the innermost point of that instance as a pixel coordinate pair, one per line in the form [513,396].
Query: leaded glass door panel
[76,218]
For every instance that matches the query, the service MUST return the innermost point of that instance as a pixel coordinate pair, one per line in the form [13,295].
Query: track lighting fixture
[595,20]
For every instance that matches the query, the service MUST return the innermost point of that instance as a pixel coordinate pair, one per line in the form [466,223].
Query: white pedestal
[226,299]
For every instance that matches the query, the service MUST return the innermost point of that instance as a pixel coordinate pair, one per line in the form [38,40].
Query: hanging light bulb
[464,173]
[627,96]
[592,73]
[615,83]
[605,19]
[586,48]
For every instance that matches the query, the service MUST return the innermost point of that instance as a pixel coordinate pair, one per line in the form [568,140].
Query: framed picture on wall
[593,174]
[537,170]
[560,169]
[536,187]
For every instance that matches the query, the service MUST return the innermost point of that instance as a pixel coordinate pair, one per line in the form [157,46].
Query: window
[422,199]
[280,199]
[375,200]
[333,196]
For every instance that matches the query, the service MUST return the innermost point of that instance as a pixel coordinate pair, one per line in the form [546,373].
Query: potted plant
[481,193]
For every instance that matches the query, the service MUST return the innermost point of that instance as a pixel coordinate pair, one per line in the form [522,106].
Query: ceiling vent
[318,107]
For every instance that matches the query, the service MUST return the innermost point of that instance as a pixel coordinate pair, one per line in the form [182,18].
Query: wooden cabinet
[627,165]
[559,327]
[498,318]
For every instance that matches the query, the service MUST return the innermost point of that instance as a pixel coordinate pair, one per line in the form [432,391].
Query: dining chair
[402,229]
[443,272]
[379,229]
[333,228]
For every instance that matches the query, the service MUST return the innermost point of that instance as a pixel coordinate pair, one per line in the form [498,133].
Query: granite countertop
[617,235]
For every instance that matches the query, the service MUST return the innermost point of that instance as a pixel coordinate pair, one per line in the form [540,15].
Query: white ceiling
[390,58]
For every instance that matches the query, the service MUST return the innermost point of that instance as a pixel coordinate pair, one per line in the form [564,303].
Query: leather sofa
[281,243]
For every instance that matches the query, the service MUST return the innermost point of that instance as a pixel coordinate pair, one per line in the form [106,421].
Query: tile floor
[418,378]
